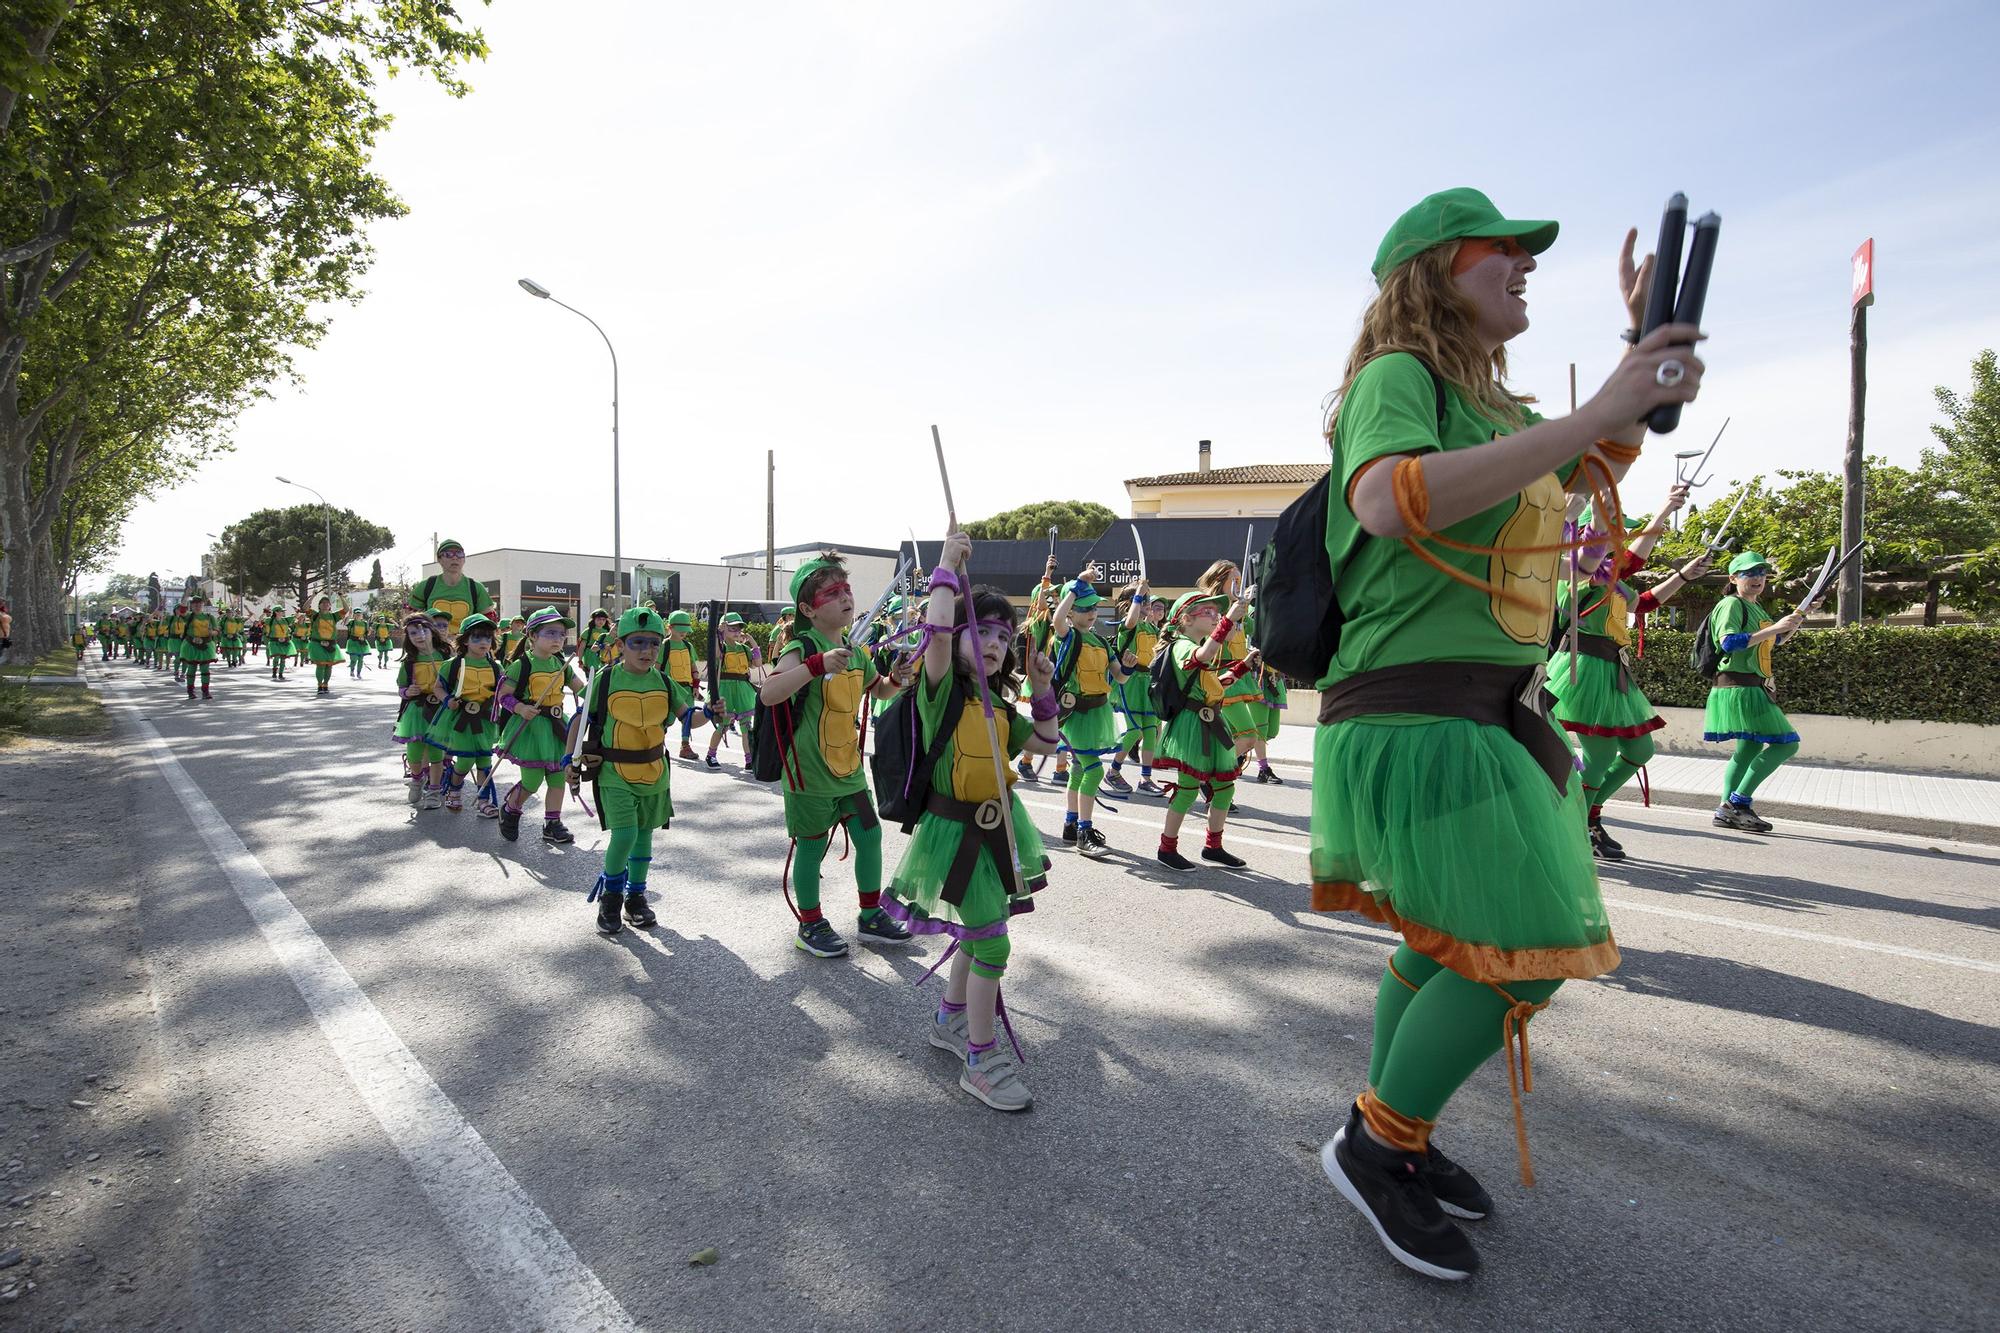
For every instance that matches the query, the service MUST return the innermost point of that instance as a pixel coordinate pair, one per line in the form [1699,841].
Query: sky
[1079,238]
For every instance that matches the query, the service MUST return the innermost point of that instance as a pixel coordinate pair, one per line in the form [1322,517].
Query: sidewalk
[1942,807]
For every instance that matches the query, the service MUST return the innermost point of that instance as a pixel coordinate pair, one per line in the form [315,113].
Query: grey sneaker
[994,1077]
[432,799]
[1091,843]
[949,1034]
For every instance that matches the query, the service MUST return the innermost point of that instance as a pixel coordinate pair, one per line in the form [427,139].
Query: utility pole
[1854,474]
[770,525]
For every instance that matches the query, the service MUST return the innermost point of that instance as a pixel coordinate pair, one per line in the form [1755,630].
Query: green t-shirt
[457,600]
[965,768]
[1398,609]
[826,741]
[1733,615]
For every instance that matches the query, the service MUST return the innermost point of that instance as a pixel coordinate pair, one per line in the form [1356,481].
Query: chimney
[1201,463]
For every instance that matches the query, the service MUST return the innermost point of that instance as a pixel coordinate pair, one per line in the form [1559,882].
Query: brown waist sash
[1512,698]
[1605,649]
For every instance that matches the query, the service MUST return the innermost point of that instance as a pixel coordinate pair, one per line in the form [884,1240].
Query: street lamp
[326,588]
[541,293]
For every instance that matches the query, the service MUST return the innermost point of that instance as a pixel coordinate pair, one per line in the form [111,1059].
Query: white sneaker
[949,1034]
[994,1077]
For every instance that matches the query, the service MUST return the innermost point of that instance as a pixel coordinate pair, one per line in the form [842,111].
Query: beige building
[1259,490]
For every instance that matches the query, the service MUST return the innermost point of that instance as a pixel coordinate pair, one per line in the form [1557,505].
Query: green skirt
[356,651]
[1449,832]
[738,696]
[1134,694]
[1745,713]
[534,742]
[620,804]
[278,648]
[1593,705]
[198,651]
[1092,730]
[322,654]
[413,721]
[1188,747]
[915,895]
[461,735]
[1245,716]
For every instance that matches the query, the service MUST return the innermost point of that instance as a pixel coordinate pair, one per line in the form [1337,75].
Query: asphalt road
[1780,1112]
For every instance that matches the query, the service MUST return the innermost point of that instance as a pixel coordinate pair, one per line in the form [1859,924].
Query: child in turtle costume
[1197,746]
[356,642]
[384,634]
[734,700]
[201,630]
[232,644]
[1087,672]
[626,711]
[464,729]
[170,643]
[1742,705]
[535,736]
[1137,643]
[678,661]
[322,641]
[422,694]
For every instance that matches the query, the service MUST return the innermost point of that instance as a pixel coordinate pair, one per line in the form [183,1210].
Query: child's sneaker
[820,939]
[1090,842]
[1115,780]
[994,1077]
[1026,770]
[713,762]
[1148,787]
[554,832]
[1391,1191]
[884,929]
[949,1032]
[636,909]
[1223,858]
[608,906]
[510,824]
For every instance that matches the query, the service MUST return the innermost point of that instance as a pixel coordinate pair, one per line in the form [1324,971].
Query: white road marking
[1626,904]
[535,1279]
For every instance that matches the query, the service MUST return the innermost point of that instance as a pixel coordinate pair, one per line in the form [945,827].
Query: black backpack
[901,769]
[1167,689]
[1298,615]
[1705,654]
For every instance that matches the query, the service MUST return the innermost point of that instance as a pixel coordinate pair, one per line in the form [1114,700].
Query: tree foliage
[284,549]
[1969,463]
[1073,520]
[184,190]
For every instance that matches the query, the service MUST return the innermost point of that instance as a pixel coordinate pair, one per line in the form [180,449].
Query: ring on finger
[1671,372]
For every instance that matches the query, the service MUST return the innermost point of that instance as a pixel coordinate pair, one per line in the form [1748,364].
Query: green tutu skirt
[461,735]
[1745,713]
[198,652]
[1593,705]
[739,697]
[1092,731]
[620,804]
[1449,832]
[534,742]
[278,649]
[322,654]
[915,896]
[413,721]
[1188,747]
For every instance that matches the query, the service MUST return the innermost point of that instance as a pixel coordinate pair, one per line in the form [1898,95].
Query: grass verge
[59,662]
[63,713]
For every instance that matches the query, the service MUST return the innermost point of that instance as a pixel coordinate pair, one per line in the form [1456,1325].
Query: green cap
[641,620]
[447,544]
[1085,600]
[1454,215]
[805,572]
[600,611]
[679,620]
[544,617]
[1747,561]
[472,624]
[1588,519]
[1188,599]
[732,619]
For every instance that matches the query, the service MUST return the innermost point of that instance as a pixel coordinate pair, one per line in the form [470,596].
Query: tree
[284,549]
[184,189]
[375,576]
[1073,520]
[1969,463]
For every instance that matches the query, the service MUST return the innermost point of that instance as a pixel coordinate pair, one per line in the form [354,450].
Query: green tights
[323,672]
[630,850]
[1428,1041]
[1610,761]
[1751,764]
[811,854]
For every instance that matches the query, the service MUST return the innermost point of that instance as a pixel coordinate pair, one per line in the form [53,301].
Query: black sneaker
[554,832]
[1175,861]
[820,939]
[1454,1188]
[1222,857]
[1603,846]
[608,906]
[1069,832]
[1090,842]
[1265,774]
[1741,817]
[1388,1188]
[884,929]
[510,823]
[1115,780]
[638,911]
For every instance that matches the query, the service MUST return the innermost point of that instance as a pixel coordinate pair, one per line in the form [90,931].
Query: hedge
[1950,673]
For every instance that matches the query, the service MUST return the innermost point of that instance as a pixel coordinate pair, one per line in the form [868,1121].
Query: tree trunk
[1930,602]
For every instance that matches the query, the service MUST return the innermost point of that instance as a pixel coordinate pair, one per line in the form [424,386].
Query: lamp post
[541,293]
[326,587]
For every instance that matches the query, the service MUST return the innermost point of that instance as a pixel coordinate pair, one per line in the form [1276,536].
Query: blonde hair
[1217,577]
[1420,310]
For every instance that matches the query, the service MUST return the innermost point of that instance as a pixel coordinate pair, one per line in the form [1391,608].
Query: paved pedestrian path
[1909,796]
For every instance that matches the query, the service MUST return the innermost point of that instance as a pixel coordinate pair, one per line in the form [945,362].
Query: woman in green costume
[356,643]
[1444,800]
[957,877]
[464,728]
[200,632]
[421,693]
[232,644]
[735,698]
[626,711]
[1601,707]
[1196,746]
[1137,641]
[535,737]
[322,641]
[1743,706]
[278,640]
[1087,671]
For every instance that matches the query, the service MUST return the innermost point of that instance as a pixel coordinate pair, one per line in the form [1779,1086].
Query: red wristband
[1223,625]
[816,664]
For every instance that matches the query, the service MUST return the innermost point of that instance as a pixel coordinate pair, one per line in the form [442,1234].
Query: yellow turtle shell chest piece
[1537,521]
[972,755]
[637,720]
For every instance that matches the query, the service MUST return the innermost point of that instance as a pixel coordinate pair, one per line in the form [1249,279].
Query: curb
[1949,830]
